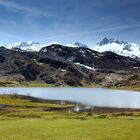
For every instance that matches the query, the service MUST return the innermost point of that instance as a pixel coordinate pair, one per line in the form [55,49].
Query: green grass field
[27,119]
[69,129]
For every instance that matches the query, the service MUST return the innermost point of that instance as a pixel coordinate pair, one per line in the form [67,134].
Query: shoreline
[4,83]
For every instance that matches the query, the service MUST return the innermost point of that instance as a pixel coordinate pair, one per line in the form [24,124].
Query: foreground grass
[69,129]
[28,119]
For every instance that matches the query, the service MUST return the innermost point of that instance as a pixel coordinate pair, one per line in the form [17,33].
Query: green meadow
[26,118]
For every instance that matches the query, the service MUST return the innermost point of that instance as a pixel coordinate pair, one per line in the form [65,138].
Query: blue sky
[68,21]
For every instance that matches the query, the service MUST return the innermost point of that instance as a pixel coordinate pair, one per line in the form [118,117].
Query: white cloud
[28,10]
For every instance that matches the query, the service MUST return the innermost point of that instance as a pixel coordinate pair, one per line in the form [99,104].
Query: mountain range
[61,65]
[119,47]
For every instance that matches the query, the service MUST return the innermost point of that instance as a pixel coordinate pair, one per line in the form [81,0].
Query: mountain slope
[90,58]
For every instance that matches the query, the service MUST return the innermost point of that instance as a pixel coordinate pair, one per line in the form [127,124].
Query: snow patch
[87,67]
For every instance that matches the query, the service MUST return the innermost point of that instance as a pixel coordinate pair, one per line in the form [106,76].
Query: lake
[99,97]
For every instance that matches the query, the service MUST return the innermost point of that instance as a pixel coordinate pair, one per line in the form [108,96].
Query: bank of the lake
[5,83]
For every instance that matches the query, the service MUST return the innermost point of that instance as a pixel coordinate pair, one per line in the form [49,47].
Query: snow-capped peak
[54,42]
[77,44]
[71,45]
[119,47]
[106,41]
[27,46]
[81,45]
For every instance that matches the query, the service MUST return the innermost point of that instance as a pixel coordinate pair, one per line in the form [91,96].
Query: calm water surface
[88,96]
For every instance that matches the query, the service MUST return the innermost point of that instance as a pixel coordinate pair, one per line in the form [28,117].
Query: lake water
[99,97]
